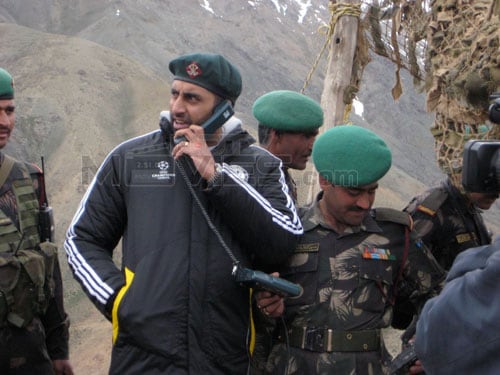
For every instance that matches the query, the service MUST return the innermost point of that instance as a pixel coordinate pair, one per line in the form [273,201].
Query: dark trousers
[23,350]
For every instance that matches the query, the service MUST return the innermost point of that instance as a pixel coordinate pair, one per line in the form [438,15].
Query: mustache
[356,209]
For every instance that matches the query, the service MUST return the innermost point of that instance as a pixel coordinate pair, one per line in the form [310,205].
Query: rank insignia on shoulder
[426,210]
[461,238]
[377,253]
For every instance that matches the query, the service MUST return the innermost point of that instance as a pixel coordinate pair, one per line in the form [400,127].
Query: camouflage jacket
[349,281]
[49,331]
[447,222]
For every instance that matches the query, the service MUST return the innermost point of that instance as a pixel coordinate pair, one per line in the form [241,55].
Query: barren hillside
[75,101]
[87,79]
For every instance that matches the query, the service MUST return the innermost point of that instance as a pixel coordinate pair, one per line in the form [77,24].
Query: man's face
[190,104]
[347,207]
[294,149]
[483,200]
[7,120]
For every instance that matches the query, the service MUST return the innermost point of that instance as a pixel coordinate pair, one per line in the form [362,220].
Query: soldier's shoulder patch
[464,237]
[307,247]
[393,215]
[433,202]
[426,210]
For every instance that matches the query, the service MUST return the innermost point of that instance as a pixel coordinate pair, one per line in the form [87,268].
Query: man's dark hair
[264,133]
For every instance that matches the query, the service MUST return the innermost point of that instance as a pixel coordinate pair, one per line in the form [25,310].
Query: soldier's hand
[416,368]
[62,367]
[270,304]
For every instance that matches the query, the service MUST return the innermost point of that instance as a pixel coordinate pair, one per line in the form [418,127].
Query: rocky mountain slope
[274,43]
[91,73]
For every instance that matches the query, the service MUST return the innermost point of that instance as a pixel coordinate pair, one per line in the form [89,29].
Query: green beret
[6,85]
[351,156]
[210,71]
[288,111]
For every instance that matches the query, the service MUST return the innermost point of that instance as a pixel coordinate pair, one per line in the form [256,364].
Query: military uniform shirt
[348,281]
[450,227]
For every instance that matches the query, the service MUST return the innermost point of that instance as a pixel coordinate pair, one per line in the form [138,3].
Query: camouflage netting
[451,47]
[463,52]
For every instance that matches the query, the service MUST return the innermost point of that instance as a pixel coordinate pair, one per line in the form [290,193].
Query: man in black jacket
[187,212]
[33,324]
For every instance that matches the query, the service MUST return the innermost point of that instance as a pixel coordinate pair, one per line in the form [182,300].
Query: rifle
[46,226]
[401,363]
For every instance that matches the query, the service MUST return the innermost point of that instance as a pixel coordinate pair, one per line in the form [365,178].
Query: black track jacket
[174,304]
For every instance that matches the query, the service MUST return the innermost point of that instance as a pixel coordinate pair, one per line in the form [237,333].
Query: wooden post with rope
[335,99]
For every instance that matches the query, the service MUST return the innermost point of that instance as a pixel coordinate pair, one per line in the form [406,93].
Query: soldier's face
[294,149]
[7,120]
[483,200]
[348,206]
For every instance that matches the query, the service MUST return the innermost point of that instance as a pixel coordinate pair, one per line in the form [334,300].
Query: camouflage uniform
[447,222]
[348,281]
[30,338]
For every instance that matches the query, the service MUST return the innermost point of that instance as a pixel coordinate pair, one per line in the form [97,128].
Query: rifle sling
[5,168]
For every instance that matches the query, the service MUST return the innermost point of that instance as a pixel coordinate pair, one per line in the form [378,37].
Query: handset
[262,281]
[222,112]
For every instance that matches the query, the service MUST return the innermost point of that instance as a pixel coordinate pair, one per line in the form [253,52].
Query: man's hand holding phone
[270,304]
[195,146]
[193,140]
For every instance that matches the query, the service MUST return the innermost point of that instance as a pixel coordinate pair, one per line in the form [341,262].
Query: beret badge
[193,70]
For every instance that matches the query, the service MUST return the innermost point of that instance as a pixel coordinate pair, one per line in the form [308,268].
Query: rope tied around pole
[336,11]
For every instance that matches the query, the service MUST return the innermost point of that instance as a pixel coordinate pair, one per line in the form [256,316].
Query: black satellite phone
[222,112]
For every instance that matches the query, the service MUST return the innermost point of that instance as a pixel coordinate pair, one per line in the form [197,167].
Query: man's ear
[274,135]
[273,142]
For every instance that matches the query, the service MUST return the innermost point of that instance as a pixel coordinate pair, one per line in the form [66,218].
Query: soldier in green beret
[350,262]
[177,205]
[33,324]
[288,125]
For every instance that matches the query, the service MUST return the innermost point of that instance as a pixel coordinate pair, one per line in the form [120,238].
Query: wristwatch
[217,174]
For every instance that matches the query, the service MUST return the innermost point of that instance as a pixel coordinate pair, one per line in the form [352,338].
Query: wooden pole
[338,78]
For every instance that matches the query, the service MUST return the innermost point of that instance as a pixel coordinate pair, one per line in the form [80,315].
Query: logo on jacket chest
[153,171]
[239,172]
